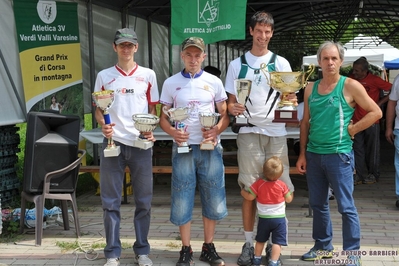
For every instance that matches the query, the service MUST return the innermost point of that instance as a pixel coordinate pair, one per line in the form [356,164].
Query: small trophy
[243,89]
[104,100]
[286,83]
[179,114]
[208,120]
[144,123]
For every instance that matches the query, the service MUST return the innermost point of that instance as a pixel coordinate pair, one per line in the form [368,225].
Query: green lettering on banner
[212,20]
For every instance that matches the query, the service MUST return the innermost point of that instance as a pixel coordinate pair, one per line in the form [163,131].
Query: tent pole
[170,54]
[23,106]
[92,72]
[149,33]
[218,55]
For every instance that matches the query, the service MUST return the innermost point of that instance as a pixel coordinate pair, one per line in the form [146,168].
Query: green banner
[49,51]
[212,20]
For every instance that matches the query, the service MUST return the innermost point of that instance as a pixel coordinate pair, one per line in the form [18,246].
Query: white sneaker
[143,260]
[112,262]
[330,193]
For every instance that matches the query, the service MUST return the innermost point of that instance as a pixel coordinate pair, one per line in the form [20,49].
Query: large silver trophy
[208,121]
[243,89]
[104,100]
[144,123]
[286,83]
[179,115]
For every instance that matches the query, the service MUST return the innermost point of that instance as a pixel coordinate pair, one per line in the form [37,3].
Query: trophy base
[112,151]
[241,120]
[144,145]
[183,149]
[285,116]
[207,146]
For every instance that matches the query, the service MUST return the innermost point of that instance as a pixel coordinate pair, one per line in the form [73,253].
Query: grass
[173,245]
[78,245]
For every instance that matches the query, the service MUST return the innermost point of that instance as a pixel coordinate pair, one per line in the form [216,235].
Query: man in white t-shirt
[392,129]
[199,91]
[262,138]
[136,92]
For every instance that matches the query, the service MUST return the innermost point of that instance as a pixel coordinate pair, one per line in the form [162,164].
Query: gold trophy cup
[179,114]
[144,123]
[104,100]
[208,120]
[243,89]
[286,83]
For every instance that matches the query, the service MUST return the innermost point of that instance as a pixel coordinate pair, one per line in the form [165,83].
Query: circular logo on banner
[47,11]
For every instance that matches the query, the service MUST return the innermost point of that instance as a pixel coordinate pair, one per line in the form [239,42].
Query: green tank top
[330,115]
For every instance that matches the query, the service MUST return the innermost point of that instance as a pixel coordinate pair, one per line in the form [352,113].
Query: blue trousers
[112,171]
[337,170]
[366,146]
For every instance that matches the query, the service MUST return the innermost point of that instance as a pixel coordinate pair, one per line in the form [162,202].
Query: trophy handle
[309,72]
[263,68]
[165,111]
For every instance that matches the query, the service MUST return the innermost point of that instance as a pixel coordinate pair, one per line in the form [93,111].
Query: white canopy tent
[372,47]
[351,56]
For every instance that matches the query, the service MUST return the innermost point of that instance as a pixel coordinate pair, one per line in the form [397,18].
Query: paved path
[378,216]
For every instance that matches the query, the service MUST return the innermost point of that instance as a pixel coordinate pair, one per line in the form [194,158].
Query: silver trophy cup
[243,89]
[179,114]
[104,100]
[144,123]
[208,121]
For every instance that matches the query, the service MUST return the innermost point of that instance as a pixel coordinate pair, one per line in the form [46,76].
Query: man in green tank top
[326,153]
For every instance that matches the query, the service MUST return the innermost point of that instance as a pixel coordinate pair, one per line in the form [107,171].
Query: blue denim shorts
[202,168]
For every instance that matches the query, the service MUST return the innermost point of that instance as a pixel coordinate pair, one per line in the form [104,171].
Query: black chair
[39,200]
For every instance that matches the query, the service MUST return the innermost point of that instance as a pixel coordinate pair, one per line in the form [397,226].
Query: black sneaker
[357,180]
[209,254]
[370,179]
[246,255]
[186,256]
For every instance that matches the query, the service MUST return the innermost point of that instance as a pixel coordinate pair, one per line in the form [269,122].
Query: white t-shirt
[299,109]
[54,107]
[199,93]
[262,100]
[394,96]
[133,92]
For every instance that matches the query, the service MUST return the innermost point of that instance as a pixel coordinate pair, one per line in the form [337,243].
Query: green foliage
[88,123]
[12,227]
[10,231]
[85,184]
[346,71]
[21,153]
[158,107]
[76,245]
[67,245]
